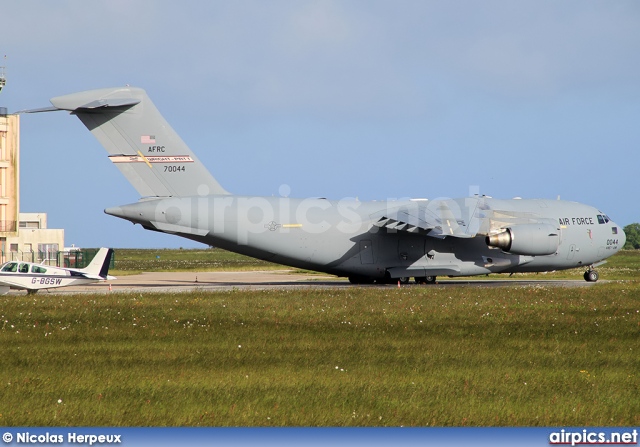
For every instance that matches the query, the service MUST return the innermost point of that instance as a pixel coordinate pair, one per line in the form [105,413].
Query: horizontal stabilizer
[95,99]
[116,102]
[40,110]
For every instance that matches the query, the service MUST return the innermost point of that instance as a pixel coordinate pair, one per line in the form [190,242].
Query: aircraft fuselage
[342,238]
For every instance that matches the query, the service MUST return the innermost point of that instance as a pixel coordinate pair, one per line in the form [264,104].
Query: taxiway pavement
[273,279]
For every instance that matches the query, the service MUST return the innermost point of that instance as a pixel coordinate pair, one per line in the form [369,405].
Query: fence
[69,259]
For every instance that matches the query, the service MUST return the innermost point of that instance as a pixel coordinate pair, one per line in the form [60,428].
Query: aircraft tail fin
[140,142]
[98,268]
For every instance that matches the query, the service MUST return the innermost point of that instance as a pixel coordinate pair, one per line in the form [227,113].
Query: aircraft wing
[436,218]
[462,218]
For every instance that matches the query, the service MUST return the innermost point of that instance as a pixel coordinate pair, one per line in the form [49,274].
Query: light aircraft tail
[140,142]
[98,268]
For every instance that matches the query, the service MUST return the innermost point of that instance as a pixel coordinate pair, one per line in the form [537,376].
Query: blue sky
[354,98]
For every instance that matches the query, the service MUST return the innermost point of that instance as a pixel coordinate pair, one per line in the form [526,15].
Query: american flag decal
[148,139]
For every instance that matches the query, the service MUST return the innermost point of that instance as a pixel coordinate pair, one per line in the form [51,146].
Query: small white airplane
[33,277]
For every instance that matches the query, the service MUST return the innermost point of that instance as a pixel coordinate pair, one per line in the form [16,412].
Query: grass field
[133,261]
[416,356]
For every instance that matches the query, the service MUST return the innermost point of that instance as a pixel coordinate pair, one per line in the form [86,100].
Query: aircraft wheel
[404,280]
[425,279]
[591,276]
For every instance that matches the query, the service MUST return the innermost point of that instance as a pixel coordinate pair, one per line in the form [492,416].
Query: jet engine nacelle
[527,239]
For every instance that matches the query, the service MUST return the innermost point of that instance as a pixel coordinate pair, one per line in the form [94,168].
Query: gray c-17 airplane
[381,241]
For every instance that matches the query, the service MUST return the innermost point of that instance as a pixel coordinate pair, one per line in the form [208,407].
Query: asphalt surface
[261,280]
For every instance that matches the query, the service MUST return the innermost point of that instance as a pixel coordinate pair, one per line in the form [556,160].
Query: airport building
[23,236]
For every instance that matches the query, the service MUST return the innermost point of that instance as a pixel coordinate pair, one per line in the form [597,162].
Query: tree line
[632,231]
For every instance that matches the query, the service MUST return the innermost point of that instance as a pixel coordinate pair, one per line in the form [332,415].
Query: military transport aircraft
[364,241]
[33,277]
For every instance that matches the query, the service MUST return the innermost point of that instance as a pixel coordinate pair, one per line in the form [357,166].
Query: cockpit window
[10,267]
[24,268]
[38,269]
[614,230]
[603,219]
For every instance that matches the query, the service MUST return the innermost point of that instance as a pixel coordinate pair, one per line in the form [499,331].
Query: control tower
[9,169]
[23,236]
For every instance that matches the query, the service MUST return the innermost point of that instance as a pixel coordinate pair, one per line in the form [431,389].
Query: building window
[33,225]
[13,247]
[48,251]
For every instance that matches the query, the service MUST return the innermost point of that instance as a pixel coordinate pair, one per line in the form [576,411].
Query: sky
[354,98]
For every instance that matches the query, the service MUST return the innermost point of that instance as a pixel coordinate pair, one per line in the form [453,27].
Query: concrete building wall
[34,242]
[9,174]
[23,236]
[32,220]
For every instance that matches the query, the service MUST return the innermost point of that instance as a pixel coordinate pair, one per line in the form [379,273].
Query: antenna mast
[3,78]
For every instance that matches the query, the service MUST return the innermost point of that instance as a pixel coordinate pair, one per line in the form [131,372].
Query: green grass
[133,261]
[623,265]
[416,356]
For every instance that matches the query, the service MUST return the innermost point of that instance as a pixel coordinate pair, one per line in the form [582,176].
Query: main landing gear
[425,279]
[404,280]
[591,275]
